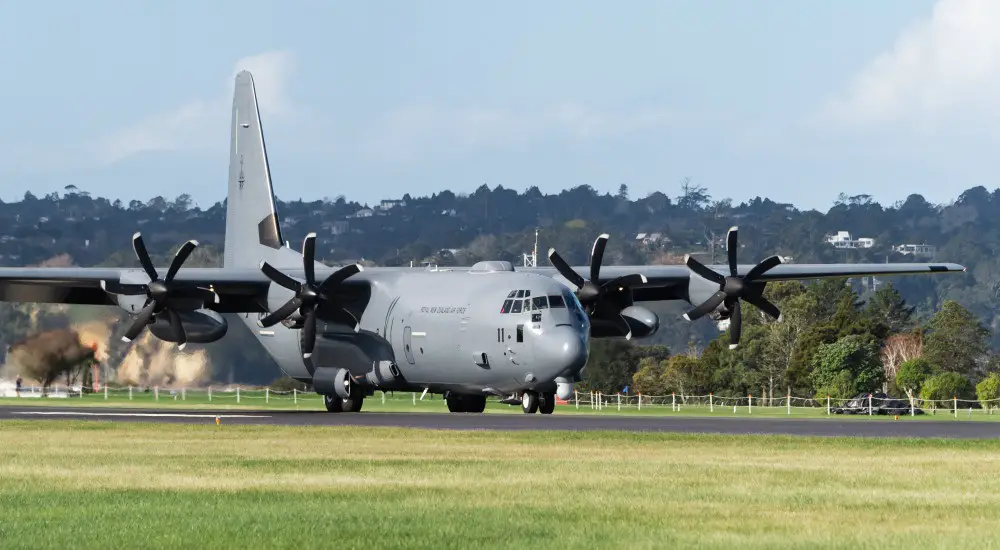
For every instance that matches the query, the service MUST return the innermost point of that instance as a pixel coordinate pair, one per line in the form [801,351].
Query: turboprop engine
[609,305]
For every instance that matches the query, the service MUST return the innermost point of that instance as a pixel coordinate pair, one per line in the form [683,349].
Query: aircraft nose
[563,352]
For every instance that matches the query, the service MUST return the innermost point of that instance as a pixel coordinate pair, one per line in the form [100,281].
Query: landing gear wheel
[455,403]
[475,403]
[333,403]
[353,404]
[529,402]
[547,403]
[458,403]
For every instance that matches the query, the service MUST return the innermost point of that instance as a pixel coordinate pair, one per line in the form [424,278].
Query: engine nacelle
[200,327]
[643,322]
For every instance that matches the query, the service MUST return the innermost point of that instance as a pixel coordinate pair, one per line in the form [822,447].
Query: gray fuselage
[494,332]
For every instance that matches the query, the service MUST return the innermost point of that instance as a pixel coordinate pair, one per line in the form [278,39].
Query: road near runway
[740,426]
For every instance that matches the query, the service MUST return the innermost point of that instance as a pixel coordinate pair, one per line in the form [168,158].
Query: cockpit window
[539,302]
[511,293]
[506,306]
[516,307]
[556,301]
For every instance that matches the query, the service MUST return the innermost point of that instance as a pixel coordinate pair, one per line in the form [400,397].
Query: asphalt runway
[573,422]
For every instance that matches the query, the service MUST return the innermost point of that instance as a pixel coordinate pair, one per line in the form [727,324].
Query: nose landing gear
[532,402]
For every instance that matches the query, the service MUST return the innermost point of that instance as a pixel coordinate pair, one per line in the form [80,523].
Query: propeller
[308,294]
[594,296]
[162,295]
[734,288]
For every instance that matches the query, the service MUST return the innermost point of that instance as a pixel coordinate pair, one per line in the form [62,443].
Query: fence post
[156,393]
[789,402]
[295,395]
[749,403]
[827,403]
[267,395]
[130,393]
[711,405]
[210,394]
[673,402]
[383,397]
[619,401]
[576,398]
[955,397]
[869,404]
[237,394]
[105,391]
[912,411]
[183,394]
[640,401]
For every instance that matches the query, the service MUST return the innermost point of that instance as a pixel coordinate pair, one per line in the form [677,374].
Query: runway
[572,422]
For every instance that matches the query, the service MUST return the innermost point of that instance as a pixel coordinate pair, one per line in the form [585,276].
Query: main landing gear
[459,403]
[337,404]
[532,402]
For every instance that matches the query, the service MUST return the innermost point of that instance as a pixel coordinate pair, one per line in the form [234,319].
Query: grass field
[126,485]
[406,402]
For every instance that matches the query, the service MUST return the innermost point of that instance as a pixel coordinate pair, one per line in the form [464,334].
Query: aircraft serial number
[442,309]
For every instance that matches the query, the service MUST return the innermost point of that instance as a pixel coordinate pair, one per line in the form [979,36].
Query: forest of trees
[834,337]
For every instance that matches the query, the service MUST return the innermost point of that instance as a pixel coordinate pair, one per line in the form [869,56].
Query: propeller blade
[626,281]
[732,243]
[280,278]
[762,268]
[309,334]
[735,325]
[597,257]
[357,323]
[281,313]
[140,322]
[703,270]
[175,323]
[179,259]
[623,326]
[143,255]
[124,289]
[564,269]
[309,258]
[764,305]
[340,276]
[706,307]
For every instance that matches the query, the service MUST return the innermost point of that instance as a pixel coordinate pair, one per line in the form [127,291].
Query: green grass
[127,485]
[406,402]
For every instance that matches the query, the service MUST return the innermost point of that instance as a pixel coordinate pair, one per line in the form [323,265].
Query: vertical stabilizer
[251,219]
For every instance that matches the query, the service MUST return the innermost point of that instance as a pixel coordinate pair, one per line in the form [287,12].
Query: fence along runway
[572,422]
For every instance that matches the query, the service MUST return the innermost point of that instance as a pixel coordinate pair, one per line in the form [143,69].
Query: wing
[670,282]
[239,290]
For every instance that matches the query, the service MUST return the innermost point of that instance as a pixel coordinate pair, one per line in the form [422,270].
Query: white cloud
[198,123]
[410,131]
[942,68]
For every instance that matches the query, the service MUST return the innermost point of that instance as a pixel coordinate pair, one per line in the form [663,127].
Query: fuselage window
[506,306]
[556,301]
[539,302]
[516,307]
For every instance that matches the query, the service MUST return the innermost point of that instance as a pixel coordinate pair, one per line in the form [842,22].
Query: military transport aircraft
[487,330]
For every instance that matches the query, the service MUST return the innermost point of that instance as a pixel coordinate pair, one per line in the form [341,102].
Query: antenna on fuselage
[531,260]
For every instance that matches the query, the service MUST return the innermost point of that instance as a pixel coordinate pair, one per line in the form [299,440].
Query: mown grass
[109,485]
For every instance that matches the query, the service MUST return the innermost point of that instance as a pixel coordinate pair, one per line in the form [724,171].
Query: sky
[795,101]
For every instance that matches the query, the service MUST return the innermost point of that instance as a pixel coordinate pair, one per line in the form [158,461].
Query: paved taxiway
[574,422]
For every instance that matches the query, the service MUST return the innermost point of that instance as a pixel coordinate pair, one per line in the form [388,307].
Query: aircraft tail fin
[251,218]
